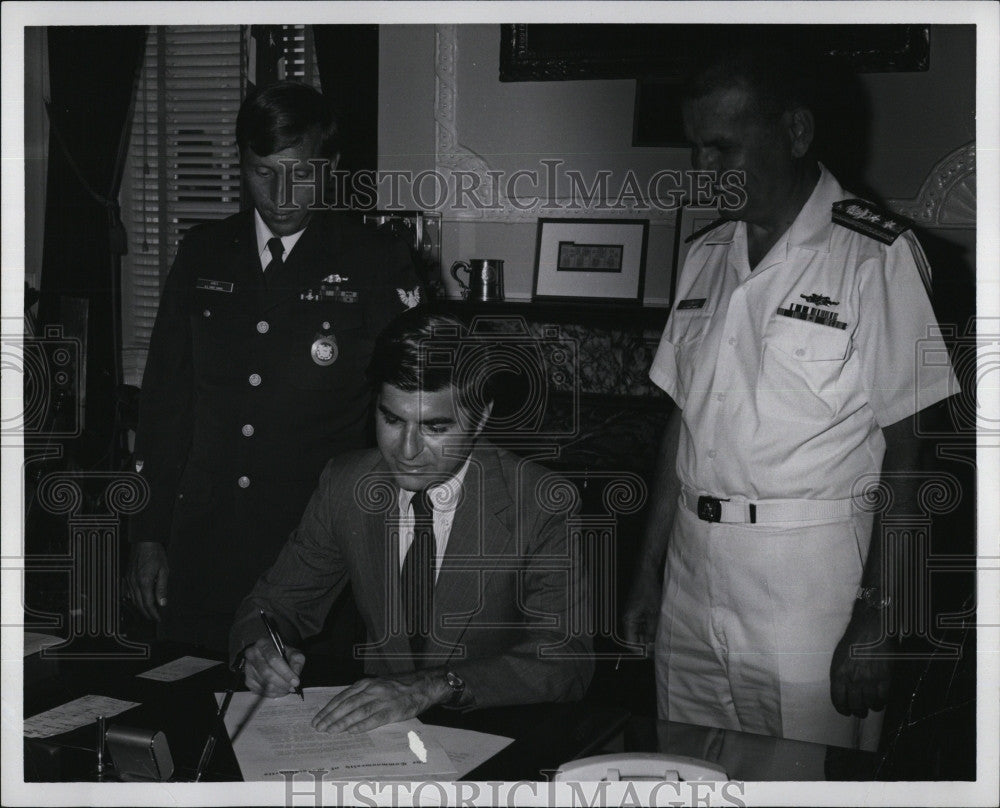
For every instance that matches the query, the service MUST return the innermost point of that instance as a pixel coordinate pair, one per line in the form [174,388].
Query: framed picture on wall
[592,260]
[689,221]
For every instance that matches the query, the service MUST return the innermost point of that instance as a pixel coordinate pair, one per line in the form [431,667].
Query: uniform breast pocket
[329,344]
[801,369]
[217,322]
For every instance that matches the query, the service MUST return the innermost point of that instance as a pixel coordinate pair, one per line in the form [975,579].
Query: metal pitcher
[485,278]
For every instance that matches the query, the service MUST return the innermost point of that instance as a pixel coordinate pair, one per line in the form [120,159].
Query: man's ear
[801,128]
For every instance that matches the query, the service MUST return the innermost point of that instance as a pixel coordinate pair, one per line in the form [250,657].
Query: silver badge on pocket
[325,350]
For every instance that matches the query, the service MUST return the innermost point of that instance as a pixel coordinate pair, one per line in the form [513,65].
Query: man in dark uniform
[255,375]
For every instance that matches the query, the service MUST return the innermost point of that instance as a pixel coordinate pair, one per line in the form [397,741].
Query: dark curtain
[92,72]
[347,57]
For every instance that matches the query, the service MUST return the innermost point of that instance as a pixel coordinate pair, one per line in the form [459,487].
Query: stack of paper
[273,737]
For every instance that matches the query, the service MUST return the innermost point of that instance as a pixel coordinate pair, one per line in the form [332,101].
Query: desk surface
[545,735]
[750,757]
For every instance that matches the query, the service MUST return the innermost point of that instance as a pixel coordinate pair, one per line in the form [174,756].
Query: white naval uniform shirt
[264,235]
[444,499]
[782,408]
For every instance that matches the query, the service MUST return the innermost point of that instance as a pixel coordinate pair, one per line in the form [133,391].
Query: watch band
[457,685]
[873,597]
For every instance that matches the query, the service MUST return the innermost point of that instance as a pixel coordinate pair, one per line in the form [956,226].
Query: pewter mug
[485,278]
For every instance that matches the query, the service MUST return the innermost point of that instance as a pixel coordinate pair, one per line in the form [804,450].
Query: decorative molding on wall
[462,167]
[947,199]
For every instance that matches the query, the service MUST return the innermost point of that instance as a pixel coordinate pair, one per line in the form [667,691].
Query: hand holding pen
[272,668]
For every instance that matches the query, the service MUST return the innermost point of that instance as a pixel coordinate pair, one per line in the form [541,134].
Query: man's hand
[147,578]
[642,611]
[267,674]
[860,684]
[372,703]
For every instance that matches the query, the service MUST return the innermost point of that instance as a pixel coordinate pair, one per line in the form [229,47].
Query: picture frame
[590,260]
[690,219]
[574,51]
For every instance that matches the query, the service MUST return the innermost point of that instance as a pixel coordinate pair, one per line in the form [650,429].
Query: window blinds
[183,164]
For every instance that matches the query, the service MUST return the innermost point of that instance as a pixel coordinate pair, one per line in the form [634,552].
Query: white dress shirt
[264,235]
[444,499]
[776,407]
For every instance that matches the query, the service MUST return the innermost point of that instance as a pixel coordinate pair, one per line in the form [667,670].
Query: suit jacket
[237,416]
[505,595]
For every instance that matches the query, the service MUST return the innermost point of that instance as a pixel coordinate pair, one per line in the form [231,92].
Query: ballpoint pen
[206,752]
[279,646]
[101,732]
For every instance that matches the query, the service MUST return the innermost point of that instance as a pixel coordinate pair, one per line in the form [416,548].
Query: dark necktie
[417,576]
[277,250]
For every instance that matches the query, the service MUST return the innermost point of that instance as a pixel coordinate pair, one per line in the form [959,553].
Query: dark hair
[278,116]
[421,351]
[778,80]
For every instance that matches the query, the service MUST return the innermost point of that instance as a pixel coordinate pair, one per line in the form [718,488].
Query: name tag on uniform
[692,303]
[214,286]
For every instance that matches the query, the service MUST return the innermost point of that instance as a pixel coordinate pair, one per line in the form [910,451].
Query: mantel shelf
[599,315]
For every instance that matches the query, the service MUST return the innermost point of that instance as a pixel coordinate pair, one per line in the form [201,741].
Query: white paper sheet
[270,736]
[465,748]
[34,642]
[179,669]
[74,714]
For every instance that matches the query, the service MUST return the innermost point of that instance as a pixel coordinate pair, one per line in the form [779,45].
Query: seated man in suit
[462,578]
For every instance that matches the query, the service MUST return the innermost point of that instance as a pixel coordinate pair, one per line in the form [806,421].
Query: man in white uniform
[791,354]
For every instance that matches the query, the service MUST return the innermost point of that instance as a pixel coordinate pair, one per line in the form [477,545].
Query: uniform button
[254,379]
[711,453]
[244,481]
[720,396]
[800,352]
[732,340]
[207,313]
[247,430]
[263,327]
[326,325]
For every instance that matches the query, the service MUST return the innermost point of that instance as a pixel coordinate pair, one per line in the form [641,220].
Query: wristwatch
[873,597]
[457,685]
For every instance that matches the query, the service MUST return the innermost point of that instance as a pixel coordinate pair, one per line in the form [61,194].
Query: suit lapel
[378,560]
[479,531]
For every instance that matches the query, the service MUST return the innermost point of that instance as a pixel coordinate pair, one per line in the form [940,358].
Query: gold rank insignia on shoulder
[702,230]
[865,218]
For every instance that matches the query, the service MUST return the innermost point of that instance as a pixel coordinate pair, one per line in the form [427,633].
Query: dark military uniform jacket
[253,381]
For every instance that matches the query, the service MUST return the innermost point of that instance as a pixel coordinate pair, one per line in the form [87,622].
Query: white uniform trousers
[750,618]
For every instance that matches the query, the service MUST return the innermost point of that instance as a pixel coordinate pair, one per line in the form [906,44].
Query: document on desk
[35,642]
[467,749]
[74,714]
[271,736]
[179,669]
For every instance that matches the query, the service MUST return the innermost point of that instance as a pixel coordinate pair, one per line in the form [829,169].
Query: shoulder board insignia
[865,218]
[702,230]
